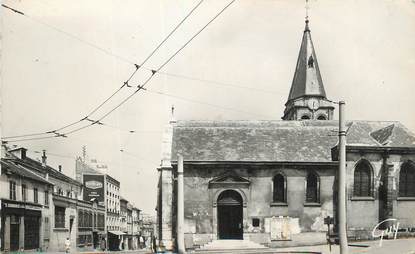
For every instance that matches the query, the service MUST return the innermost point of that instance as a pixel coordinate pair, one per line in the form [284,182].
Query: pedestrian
[154,244]
[67,245]
[103,244]
[143,244]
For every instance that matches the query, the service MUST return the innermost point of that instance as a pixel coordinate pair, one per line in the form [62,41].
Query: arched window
[362,179]
[279,189]
[312,188]
[321,117]
[407,180]
[305,117]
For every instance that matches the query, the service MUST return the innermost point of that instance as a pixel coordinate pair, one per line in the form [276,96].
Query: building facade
[62,221]
[113,203]
[136,226]
[274,182]
[25,201]
[91,226]
[68,215]
[106,190]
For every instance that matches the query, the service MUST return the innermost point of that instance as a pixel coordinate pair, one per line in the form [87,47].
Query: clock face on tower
[313,104]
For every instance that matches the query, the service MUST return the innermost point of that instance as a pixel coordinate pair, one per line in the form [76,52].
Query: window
[312,188]
[255,222]
[35,195]
[24,192]
[59,217]
[46,228]
[90,222]
[321,117]
[305,117]
[279,188]
[80,219]
[101,221]
[407,180]
[362,179]
[46,197]
[310,62]
[12,190]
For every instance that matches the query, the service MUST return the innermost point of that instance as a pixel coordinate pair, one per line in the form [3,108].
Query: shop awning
[117,232]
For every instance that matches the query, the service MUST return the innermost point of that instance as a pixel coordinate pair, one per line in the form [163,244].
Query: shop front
[21,226]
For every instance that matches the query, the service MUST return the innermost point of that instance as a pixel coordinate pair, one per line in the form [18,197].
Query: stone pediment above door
[229,179]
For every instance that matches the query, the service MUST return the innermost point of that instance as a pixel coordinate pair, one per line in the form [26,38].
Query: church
[273,182]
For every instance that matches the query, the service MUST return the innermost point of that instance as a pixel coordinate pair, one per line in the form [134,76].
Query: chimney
[44,159]
[60,168]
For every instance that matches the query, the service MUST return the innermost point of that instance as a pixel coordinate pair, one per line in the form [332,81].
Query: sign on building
[94,187]
[280,228]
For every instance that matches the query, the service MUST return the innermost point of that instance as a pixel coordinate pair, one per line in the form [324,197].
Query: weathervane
[307,7]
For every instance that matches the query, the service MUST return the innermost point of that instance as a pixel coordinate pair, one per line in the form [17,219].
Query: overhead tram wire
[149,56]
[149,69]
[142,86]
[124,59]
[204,103]
[27,139]
[137,67]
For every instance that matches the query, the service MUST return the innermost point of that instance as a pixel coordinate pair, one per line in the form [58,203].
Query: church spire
[307,78]
[307,98]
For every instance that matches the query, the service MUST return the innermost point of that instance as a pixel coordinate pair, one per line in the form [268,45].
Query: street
[404,246]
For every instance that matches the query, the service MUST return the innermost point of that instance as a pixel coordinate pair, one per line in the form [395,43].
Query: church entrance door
[230,212]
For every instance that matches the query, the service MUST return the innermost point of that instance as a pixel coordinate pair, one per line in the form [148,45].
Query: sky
[64,57]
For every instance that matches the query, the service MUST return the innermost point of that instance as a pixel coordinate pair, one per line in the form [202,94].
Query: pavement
[398,246]
[143,251]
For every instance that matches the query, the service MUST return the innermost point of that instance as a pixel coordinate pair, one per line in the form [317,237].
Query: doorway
[31,232]
[14,232]
[230,211]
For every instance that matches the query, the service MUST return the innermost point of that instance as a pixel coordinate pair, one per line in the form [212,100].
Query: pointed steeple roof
[307,78]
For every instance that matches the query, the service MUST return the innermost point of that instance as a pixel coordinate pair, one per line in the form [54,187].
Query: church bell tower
[307,99]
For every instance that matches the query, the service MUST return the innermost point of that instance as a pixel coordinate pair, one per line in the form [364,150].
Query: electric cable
[107,52]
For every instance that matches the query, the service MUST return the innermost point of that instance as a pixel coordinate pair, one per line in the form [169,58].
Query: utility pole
[180,206]
[342,180]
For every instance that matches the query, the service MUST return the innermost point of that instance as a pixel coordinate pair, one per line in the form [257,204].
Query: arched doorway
[230,223]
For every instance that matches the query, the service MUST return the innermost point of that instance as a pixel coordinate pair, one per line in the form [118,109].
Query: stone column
[166,238]
[166,189]
[41,232]
[180,206]
[21,233]
[391,190]
[6,243]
